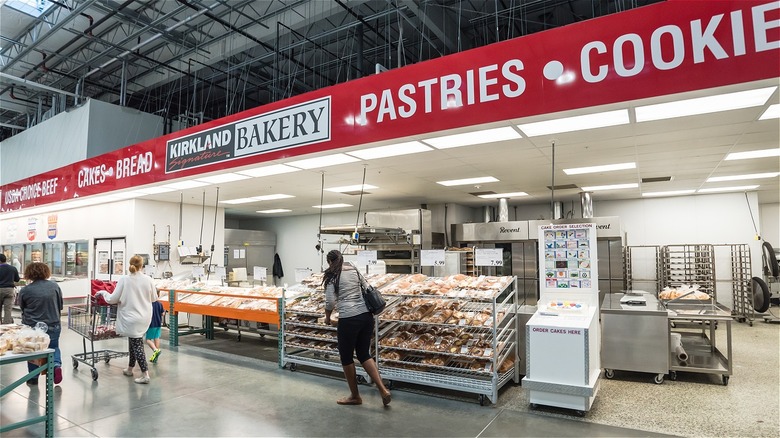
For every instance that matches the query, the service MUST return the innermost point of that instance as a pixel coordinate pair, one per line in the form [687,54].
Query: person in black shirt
[9,276]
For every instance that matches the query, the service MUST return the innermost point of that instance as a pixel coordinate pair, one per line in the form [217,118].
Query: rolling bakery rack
[307,340]
[461,339]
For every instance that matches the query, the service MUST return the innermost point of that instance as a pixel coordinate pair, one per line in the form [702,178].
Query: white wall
[770,223]
[132,220]
[112,127]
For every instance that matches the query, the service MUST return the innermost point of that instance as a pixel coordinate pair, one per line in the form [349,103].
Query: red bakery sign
[660,49]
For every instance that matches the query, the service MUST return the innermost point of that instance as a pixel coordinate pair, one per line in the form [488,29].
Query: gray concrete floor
[223,387]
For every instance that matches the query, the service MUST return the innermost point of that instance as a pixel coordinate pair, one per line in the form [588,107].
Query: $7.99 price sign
[488,257]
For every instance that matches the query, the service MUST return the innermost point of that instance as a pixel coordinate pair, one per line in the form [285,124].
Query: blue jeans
[54,342]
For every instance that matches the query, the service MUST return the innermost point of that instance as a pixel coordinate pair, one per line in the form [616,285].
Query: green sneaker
[155,355]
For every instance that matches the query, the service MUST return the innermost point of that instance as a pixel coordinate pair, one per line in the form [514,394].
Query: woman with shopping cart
[134,295]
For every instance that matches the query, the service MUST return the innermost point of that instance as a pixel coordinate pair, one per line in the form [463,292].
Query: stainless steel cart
[94,323]
[696,322]
[634,335]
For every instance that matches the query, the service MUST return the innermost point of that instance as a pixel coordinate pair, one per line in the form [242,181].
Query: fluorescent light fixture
[238,201]
[763,153]
[610,187]
[275,210]
[474,137]
[740,177]
[669,193]
[274,169]
[355,188]
[729,189]
[704,105]
[392,150]
[773,112]
[332,206]
[504,195]
[224,178]
[463,182]
[155,190]
[272,197]
[183,185]
[576,123]
[594,169]
[327,160]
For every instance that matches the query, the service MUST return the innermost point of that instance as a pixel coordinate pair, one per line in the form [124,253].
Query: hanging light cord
[360,202]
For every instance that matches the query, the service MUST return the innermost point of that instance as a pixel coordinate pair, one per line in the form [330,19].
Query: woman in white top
[134,295]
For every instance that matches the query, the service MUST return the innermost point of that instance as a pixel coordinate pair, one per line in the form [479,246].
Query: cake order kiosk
[563,341]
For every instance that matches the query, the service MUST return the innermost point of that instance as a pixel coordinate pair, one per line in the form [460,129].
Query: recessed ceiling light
[238,201]
[729,189]
[355,188]
[463,182]
[474,137]
[392,150]
[576,123]
[739,177]
[275,210]
[272,197]
[224,178]
[704,105]
[594,169]
[332,206]
[328,160]
[772,112]
[274,169]
[155,190]
[183,185]
[669,193]
[763,153]
[611,187]
[504,195]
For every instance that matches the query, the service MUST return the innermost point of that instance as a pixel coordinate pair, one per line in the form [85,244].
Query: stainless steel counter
[635,337]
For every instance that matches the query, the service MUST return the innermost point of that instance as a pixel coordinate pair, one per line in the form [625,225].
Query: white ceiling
[689,149]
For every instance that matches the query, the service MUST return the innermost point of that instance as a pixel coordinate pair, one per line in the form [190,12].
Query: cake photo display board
[569,263]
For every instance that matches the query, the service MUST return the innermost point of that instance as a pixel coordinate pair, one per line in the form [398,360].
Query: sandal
[349,401]
[386,398]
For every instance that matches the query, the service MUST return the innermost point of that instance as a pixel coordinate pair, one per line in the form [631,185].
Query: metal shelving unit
[464,355]
[633,256]
[689,264]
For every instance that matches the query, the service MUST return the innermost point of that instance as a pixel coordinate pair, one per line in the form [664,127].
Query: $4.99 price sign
[488,257]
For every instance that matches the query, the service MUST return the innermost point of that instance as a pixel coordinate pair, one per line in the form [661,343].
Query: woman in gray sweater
[355,325]
[41,301]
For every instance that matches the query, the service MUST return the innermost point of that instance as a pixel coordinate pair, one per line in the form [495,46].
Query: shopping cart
[95,323]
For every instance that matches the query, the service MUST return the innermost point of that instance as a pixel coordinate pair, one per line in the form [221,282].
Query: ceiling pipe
[35,84]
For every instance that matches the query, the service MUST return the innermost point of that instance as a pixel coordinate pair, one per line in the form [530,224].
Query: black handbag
[375,302]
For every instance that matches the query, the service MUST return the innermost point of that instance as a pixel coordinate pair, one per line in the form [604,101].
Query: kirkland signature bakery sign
[293,126]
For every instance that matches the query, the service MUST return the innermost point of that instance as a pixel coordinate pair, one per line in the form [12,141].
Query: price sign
[197,271]
[488,257]
[221,272]
[259,273]
[366,258]
[432,257]
[301,273]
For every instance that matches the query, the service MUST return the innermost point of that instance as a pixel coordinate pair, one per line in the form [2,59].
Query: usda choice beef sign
[293,126]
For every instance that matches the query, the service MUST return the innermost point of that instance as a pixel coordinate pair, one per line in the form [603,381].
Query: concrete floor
[204,388]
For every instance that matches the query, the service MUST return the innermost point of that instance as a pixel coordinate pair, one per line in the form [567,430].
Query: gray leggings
[137,353]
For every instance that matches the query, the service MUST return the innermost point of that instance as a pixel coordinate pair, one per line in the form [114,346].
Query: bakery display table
[48,417]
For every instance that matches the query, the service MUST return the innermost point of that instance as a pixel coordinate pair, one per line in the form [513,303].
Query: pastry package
[30,340]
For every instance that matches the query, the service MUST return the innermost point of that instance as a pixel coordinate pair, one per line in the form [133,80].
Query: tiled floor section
[207,392]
